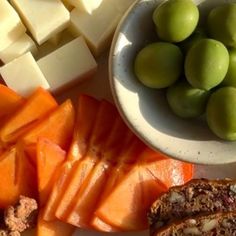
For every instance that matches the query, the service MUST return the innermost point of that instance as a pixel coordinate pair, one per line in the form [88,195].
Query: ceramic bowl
[145,110]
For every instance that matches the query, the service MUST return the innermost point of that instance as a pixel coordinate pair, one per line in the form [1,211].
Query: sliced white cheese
[50,46]
[99,24]
[98,27]
[23,75]
[67,4]
[55,39]
[86,5]
[19,47]
[11,27]
[43,18]
[68,64]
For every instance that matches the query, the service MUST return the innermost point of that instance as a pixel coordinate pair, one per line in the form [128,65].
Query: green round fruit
[197,35]
[186,101]
[159,65]
[230,78]
[221,24]
[221,113]
[175,20]
[206,64]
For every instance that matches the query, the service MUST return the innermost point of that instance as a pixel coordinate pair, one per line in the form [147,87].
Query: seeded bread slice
[215,224]
[198,196]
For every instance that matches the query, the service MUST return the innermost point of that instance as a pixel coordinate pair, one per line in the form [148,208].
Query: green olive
[175,20]
[221,24]
[186,101]
[221,113]
[196,36]
[159,65]
[230,78]
[206,64]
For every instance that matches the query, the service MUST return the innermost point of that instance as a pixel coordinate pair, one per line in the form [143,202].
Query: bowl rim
[121,111]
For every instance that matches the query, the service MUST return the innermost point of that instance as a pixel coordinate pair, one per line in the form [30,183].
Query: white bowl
[145,110]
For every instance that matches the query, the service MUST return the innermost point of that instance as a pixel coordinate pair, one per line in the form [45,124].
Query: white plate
[99,87]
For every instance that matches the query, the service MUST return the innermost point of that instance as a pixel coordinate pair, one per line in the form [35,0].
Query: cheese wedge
[11,27]
[23,75]
[21,46]
[68,64]
[43,19]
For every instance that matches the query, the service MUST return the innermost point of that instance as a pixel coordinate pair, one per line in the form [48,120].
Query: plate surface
[147,112]
[99,87]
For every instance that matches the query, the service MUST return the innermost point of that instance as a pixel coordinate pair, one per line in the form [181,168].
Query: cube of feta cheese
[11,27]
[23,75]
[97,27]
[68,64]
[98,24]
[85,5]
[50,46]
[43,18]
[21,46]
[67,4]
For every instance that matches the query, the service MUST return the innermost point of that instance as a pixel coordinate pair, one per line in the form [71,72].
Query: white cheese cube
[55,39]
[86,5]
[43,18]
[67,5]
[11,27]
[23,75]
[50,46]
[68,64]
[98,27]
[19,47]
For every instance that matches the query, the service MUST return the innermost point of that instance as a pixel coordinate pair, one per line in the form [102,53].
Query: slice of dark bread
[214,224]
[196,197]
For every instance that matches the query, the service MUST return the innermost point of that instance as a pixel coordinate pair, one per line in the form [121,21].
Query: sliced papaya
[36,106]
[85,200]
[31,153]
[102,226]
[126,207]
[169,171]
[139,188]
[85,120]
[49,159]
[17,177]
[57,127]
[53,228]
[127,159]
[9,101]
[57,191]
[26,175]
[86,115]
[8,188]
[103,125]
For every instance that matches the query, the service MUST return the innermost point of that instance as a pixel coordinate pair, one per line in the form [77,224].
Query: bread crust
[221,223]
[198,196]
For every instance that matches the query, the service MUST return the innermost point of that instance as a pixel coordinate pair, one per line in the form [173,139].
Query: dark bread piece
[196,197]
[214,224]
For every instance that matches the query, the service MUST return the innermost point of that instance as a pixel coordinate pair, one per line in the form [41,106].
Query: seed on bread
[213,224]
[198,196]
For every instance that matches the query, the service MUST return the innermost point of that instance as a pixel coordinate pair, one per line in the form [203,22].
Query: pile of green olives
[196,65]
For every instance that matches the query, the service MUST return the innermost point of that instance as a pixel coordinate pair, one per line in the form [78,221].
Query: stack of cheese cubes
[53,44]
